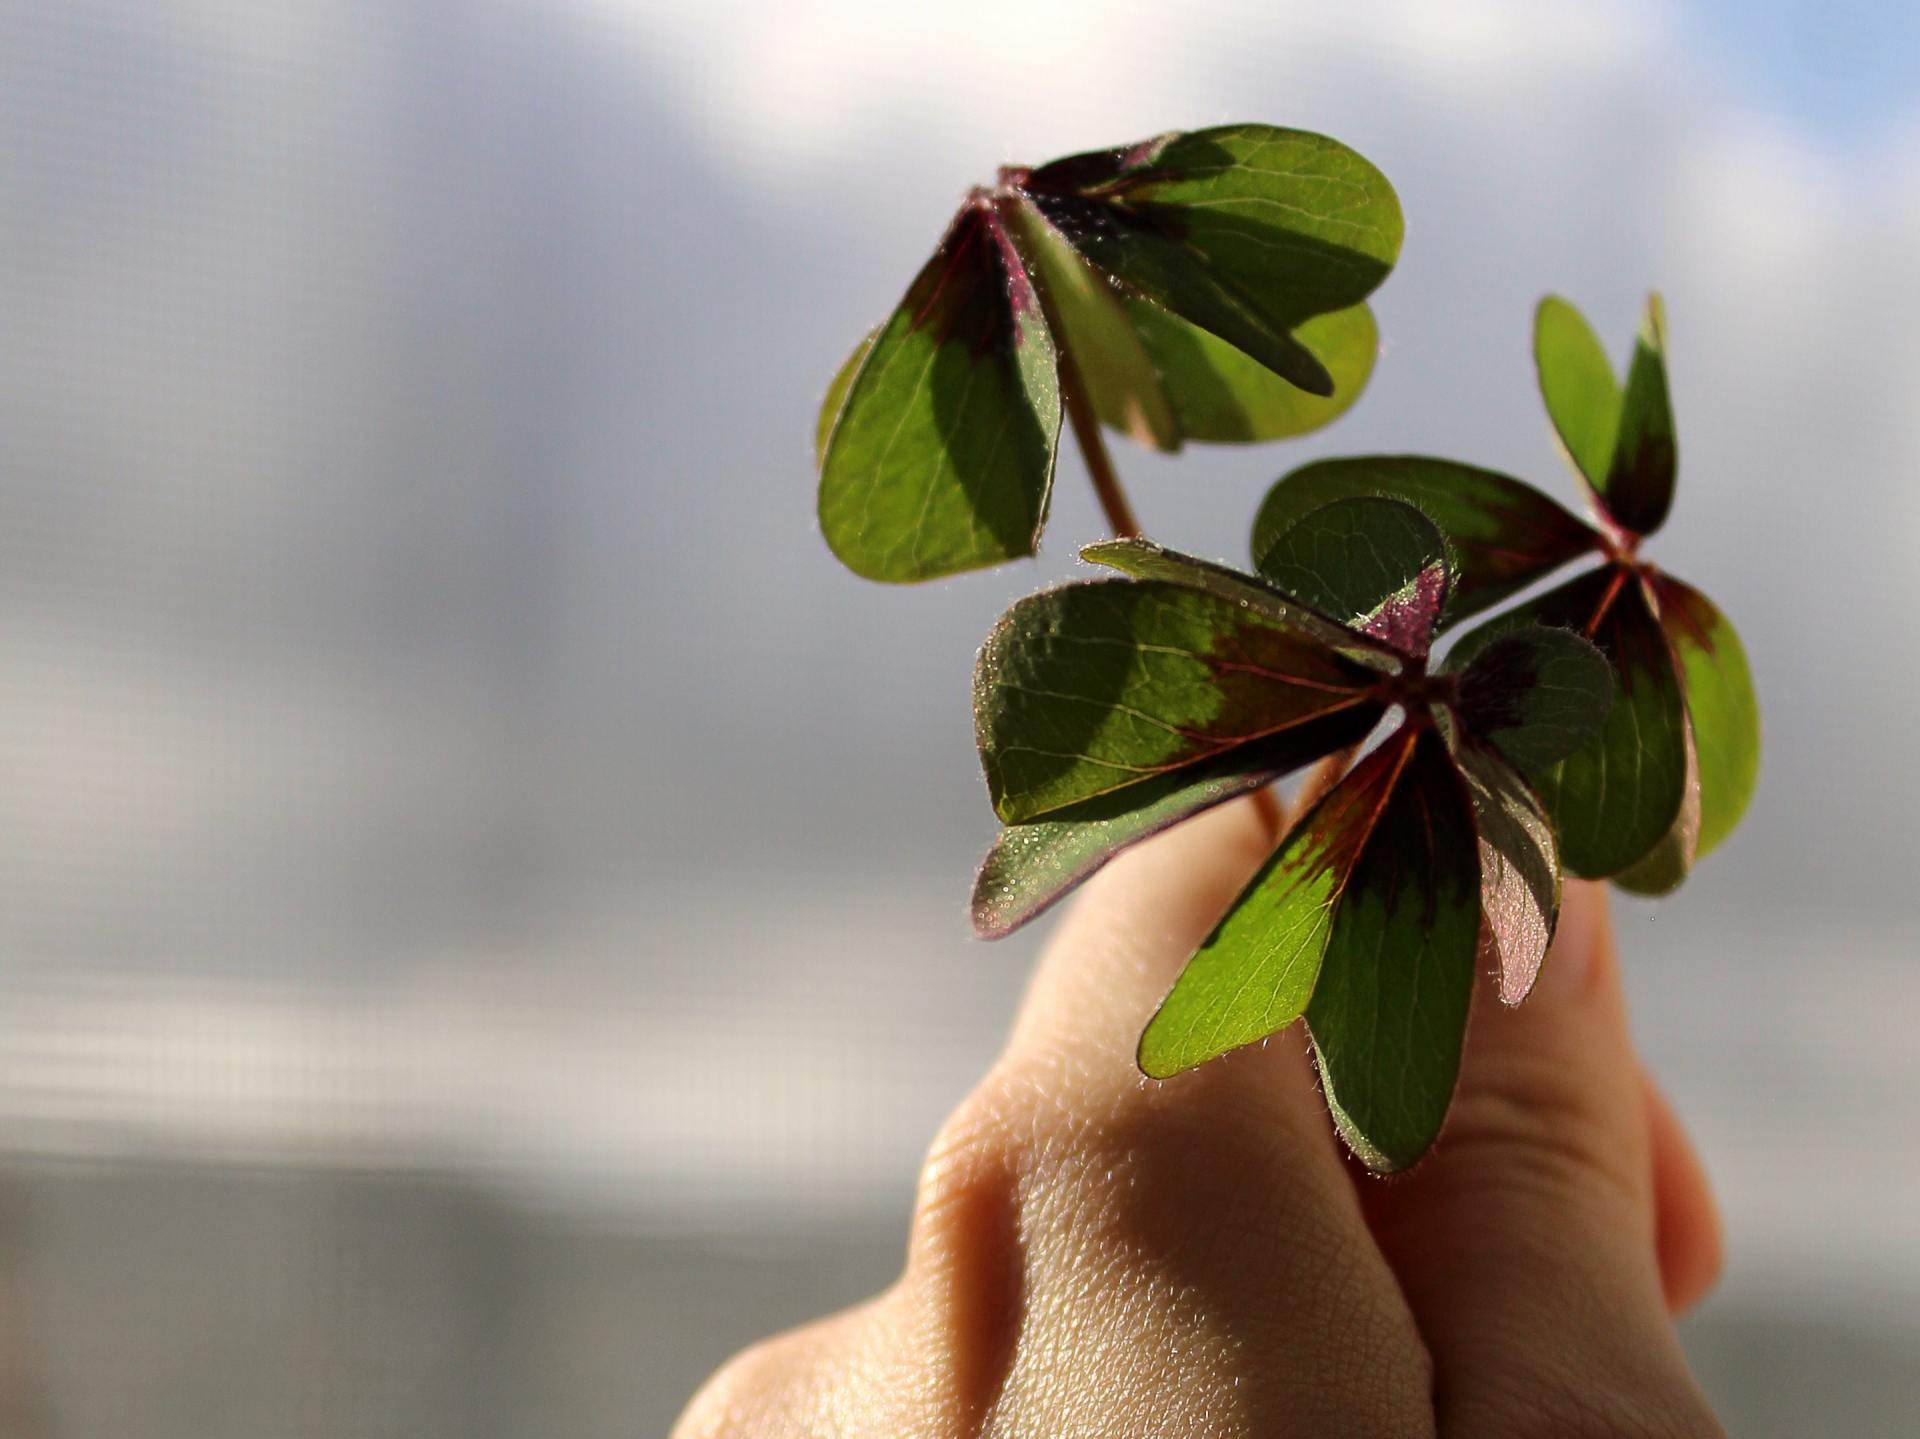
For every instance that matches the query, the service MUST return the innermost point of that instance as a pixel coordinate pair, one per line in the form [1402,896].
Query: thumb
[1526,1244]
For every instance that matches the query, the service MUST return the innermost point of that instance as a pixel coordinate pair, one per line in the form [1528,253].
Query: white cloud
[803,85]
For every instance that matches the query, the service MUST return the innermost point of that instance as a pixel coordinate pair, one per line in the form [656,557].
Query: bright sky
[1843,68]
[800,79]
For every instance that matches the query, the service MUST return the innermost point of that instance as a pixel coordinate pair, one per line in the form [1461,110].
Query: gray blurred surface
[480,898]
[328,1302]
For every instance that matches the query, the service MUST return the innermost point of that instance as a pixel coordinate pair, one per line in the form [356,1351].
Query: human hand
[1096,1254]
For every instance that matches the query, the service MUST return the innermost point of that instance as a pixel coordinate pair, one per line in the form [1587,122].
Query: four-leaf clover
[1674,766]
[1110,709]
[1206,285]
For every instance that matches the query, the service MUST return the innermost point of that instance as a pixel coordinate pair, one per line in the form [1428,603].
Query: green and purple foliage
[1189,683]
[1210,286]
[1673,768]
[1199,286]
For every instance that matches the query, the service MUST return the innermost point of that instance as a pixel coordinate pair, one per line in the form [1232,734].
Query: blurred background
[481,891]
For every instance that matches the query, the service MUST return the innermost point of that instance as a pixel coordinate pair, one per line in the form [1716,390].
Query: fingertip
[1688,1236]
[1582,944]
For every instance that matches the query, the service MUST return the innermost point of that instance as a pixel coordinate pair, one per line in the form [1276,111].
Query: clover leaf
[1619,438]
[1504,534]
[1674,764]
[1207,285]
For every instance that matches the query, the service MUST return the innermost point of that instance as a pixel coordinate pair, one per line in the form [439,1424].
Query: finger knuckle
[1534,1129]
[741,1400]
[975,1150]
[1182,1238]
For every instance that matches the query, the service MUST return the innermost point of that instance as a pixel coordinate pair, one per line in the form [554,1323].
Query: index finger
[1198,1236]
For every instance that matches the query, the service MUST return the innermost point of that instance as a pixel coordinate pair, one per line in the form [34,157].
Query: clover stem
[1120,518]
[1086,430]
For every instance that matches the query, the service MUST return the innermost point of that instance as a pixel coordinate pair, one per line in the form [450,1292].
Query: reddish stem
[1120,516]
[1093,449]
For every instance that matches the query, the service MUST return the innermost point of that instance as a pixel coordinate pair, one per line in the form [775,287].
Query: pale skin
[1095,1254]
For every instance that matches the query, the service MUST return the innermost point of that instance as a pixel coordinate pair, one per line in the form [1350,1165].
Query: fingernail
[1576,941]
